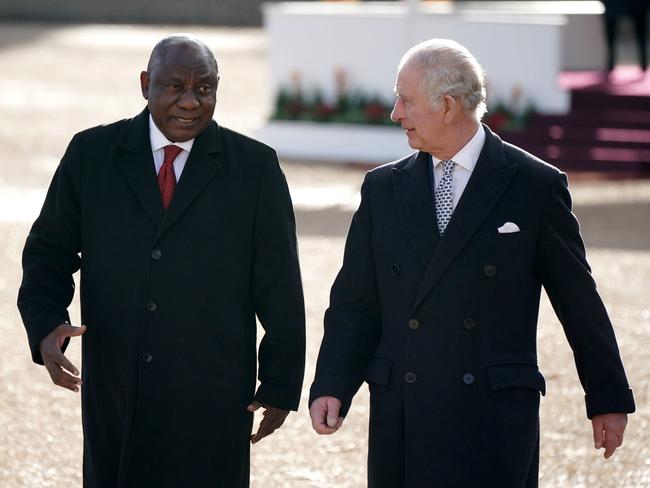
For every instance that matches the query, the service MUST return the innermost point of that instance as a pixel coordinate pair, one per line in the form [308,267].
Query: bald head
[180,42]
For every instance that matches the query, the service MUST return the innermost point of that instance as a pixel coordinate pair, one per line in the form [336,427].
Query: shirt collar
[158,139]
[469,154]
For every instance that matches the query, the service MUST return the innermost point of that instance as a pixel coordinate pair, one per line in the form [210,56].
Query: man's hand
[54,360]
[608,431]
[272,419]
[324,413]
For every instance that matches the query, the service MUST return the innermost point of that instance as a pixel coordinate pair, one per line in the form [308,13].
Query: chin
[178,133]
[414,143]
[182,136]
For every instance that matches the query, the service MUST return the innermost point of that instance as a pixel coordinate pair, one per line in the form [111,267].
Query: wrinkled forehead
[183,60]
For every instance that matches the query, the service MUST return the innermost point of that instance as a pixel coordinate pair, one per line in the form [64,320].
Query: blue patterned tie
[445,196]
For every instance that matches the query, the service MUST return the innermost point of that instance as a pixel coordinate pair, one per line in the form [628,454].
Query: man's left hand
[608,431]
[272,418]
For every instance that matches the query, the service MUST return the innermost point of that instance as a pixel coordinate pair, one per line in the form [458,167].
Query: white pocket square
[508,228]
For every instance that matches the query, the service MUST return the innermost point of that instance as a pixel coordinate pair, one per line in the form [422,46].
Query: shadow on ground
[615,225]
[610,225]
[18,34]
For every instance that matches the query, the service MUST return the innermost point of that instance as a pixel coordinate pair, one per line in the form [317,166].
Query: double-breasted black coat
[444,329]
[170,300]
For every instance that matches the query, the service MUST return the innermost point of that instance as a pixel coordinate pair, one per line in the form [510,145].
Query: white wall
[520,44]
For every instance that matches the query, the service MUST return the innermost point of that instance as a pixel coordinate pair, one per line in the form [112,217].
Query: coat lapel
[136,162]
[202,164]
[415,205]
[490,178]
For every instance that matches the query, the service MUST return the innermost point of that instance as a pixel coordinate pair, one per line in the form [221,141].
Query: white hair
[449,69]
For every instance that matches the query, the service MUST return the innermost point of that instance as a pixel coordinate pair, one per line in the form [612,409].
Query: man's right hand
[324,413]
[54,360]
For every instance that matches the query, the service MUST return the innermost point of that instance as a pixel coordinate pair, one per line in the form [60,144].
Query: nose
[397,113]
[188,100]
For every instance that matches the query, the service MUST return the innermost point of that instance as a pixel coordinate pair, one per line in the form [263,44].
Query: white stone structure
[523,46]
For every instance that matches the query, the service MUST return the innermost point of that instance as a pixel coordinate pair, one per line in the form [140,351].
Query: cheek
[208,105]
[160,104]
[425,119]
[415,118]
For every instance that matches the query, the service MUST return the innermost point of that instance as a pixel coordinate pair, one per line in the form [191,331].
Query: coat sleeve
[277,293]
[352,321]
[567,279]
[51,255]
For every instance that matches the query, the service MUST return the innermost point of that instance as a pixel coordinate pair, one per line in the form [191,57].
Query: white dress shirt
[465,160]
[159,141]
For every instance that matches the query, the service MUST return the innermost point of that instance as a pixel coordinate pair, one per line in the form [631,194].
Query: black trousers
[639,19]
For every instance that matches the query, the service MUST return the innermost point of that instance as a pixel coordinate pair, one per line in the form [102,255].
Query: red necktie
[166,176]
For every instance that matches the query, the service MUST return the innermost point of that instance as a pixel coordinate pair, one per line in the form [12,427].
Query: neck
[458,139]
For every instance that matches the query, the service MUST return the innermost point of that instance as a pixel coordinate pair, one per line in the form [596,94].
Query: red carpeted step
[624,119]
[590,100]
[591,157]
[577,135]
[607,129]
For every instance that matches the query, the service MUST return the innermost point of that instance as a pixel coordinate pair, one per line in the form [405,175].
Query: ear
[450,106]
[144,84]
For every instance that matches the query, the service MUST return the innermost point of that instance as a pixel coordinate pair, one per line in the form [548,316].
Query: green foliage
[356,107]
[347,108]
[502,118]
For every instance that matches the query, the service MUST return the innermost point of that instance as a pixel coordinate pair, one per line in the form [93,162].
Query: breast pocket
[496,238]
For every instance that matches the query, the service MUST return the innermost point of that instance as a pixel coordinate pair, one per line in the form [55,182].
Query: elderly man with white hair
[436,303]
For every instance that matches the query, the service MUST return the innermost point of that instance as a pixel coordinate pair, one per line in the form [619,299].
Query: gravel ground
[57,80]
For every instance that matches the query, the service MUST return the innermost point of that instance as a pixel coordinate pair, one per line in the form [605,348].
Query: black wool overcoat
[170,299]
[444,329]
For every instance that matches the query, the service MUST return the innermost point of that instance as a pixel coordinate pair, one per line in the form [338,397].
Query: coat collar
[136,162]
[490,178]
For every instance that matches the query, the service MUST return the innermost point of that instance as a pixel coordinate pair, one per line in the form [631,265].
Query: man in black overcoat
[184,233]
[436,304]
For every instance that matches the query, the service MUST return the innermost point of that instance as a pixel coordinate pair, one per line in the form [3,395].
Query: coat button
[156,254]
[468,324]
[147,357]
[396,270]
[490,270]
[410,377]
[151,306]
[468,378]
[414,324]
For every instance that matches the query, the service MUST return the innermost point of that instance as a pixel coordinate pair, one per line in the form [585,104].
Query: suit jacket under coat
[444,329]
[170,300]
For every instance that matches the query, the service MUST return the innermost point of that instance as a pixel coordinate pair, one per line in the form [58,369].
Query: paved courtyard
[57,80]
